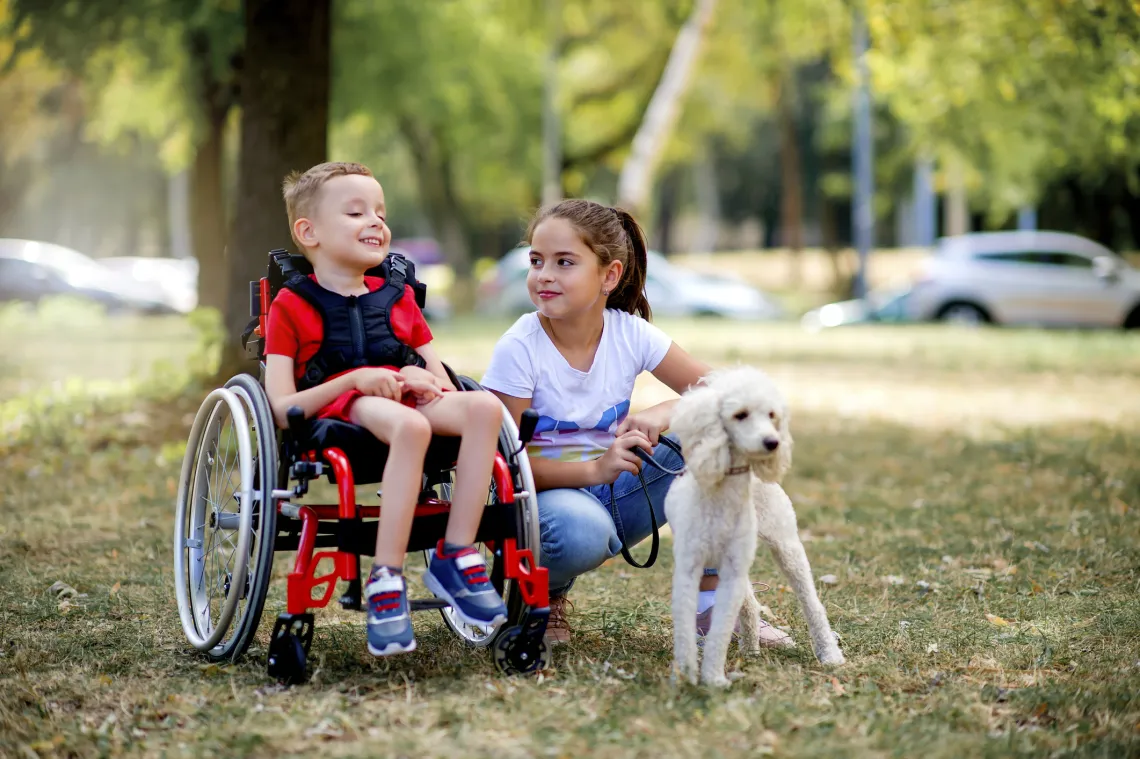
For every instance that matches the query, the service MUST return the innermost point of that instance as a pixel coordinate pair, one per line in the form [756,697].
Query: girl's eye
[565,262]
[355,213]
[535,262]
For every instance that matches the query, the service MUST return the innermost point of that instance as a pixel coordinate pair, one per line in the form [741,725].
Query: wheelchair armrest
[298,424]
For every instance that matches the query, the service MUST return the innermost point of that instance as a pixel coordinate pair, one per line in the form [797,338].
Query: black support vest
[357,328]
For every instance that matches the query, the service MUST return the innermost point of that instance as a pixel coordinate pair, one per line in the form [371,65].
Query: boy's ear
[304,232]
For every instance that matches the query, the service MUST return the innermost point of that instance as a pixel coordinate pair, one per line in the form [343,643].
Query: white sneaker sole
[392,648]
[438,591]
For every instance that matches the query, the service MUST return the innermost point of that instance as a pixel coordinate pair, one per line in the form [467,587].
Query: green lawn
[975,493]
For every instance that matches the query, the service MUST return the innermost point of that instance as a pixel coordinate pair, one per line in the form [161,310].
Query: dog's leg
[729,595]
[777,527]
[749,641]
[686,584]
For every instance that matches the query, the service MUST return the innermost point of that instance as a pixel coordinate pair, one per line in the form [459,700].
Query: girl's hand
[650,423]
[384,383]
[620,457]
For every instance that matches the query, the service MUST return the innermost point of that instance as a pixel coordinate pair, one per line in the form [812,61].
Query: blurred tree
[163,69]
[1018,92]
[284,83]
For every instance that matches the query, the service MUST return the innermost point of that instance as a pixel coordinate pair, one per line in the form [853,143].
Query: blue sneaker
[461,580]
[389,623]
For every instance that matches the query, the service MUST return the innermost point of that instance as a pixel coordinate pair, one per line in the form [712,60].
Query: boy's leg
[389,625]
[458,573]
[407,434]
[474,417]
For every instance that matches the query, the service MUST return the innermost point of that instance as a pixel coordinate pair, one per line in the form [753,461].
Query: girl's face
[566,278]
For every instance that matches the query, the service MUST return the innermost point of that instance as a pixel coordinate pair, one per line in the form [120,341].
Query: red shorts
[339,409]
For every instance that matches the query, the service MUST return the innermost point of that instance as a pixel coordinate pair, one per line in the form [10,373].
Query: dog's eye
[771,414]
[740,416]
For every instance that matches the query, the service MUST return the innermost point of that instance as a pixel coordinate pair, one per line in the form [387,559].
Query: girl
[575,361]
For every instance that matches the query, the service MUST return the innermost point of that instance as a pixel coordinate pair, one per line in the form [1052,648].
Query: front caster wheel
[516,653]
[289,648]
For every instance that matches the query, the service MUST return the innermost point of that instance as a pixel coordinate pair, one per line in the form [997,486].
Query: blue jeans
[579,533]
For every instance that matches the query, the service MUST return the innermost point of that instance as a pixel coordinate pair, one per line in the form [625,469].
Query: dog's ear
[696,421]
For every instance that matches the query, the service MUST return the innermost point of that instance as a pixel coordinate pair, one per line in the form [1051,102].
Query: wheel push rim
[211,567]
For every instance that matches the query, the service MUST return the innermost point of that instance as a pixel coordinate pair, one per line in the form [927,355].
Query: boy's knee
[412,429]
[486,409]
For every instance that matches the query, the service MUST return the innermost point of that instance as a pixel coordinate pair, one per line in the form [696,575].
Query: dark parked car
[31,270]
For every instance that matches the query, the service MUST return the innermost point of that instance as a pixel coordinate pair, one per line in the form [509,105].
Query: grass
[973,493]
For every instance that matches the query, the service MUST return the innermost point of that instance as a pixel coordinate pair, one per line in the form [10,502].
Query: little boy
[318,330]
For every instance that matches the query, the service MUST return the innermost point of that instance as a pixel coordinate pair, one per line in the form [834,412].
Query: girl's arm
[679,371]
[550,474]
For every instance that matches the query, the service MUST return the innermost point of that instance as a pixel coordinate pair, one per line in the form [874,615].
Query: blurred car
[887,306]
[1027,278]
[671,290]
[174,280]
[31,270]
[437,276]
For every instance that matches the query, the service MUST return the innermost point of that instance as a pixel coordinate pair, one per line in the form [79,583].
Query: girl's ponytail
[629,295]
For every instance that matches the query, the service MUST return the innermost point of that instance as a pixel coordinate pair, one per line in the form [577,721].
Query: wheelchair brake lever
[527,425]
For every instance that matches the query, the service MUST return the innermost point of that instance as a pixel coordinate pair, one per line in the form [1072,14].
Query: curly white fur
[735,419]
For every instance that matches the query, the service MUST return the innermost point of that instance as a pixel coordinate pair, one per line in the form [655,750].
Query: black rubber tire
[946,312]
[268,478]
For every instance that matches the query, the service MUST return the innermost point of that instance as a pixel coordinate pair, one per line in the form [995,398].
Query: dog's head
[734,417]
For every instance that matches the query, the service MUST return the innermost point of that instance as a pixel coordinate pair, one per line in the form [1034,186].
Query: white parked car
[1027,278]
[671,290]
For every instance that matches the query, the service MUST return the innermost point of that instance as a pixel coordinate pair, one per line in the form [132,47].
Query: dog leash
[656,542]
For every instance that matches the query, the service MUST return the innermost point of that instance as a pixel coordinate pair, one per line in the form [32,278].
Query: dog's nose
[771,443]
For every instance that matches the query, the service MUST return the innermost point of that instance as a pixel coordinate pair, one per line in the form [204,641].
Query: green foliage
[1021,91]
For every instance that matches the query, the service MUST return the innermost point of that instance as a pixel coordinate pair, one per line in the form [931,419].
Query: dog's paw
[832,658]
[717,680]
[683,674]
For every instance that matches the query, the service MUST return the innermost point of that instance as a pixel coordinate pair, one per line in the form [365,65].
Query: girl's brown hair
[614,235]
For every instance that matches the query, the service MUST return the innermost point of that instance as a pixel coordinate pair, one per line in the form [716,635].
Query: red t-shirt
[295,328]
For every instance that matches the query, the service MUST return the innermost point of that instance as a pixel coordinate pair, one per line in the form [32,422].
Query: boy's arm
[435,365]
[283,393]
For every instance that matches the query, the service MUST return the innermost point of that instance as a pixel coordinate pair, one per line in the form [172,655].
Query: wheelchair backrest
[283,264]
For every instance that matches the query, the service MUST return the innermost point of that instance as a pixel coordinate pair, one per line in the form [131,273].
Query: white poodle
[733,428]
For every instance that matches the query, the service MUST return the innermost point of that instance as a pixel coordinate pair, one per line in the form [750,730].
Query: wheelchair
[239,502]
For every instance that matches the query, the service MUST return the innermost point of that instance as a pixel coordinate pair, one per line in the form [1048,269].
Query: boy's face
[348,225]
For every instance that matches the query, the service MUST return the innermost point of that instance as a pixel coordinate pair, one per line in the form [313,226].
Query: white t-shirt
[578,411]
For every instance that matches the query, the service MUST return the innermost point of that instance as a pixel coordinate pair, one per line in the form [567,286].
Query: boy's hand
[410,373]
[424,390]
[384,383]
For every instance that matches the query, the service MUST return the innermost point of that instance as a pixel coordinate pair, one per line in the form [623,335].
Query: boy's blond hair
[303,190]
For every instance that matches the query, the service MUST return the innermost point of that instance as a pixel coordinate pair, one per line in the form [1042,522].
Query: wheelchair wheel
[226,517]
[526,536]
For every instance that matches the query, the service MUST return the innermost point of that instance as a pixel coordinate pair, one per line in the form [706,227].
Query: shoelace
[558,613]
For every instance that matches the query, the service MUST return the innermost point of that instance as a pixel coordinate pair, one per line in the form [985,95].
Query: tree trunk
[208,217]
[791,180]
[957,207]
[635,183]
[284,95]
[434,175]
[551,115]
[708,204]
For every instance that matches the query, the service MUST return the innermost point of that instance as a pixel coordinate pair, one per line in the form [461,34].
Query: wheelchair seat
[367,454]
